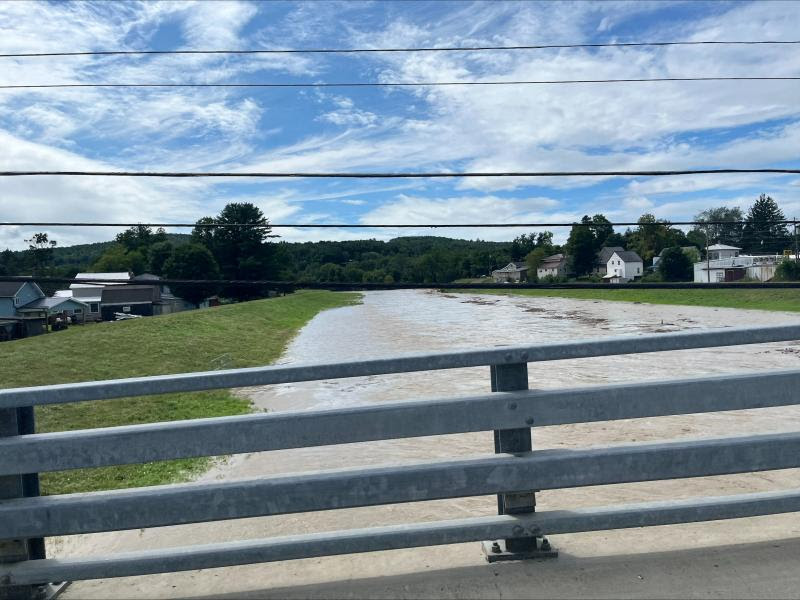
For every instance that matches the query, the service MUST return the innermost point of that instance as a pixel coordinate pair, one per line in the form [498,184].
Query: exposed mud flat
[687,560]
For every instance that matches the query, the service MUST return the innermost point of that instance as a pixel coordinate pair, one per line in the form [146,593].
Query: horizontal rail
[189,382]
[400,536]
[501,473]
[263,432]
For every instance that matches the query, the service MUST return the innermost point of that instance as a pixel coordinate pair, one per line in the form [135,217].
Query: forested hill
[427,258]
[68,260]
[420,259]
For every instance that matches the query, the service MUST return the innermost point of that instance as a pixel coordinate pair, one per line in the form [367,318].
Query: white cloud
[591,127]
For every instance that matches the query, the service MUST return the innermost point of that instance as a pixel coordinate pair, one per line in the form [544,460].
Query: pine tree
[761,234]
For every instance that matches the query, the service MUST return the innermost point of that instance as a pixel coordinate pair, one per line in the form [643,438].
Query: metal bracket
[518,549]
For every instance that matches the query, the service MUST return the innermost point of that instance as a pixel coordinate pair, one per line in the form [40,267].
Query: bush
[675,265]
[788,270]
[652,277]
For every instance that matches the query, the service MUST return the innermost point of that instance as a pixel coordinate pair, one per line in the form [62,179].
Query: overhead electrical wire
[417,49]
[354,84]
[381,225]
[399,175]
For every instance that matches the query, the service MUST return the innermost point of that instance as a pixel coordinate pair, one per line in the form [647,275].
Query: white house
[721,252]
[623,266]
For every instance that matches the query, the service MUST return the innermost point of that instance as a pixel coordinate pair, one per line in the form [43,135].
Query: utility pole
[796,251]
[708,259]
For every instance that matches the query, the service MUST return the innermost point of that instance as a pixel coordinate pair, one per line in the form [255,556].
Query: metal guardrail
[512,472]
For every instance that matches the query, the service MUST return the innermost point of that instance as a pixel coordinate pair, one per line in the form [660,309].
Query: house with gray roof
[15,295]
[623,266]
[602,258]
[513,272]
[556,265]
[56,306]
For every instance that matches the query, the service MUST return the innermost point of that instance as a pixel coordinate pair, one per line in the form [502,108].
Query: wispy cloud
[586,127]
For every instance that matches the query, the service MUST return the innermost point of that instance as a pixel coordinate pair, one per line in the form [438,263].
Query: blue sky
[594,127]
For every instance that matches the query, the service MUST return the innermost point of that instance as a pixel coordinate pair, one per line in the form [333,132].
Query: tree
[117,258]
[761,233]
[533,260]
[602,230]
[729,232]
[675,265]
[40,253]
[581,247]
[652,236]
[159,253]
[140,238]
[241,251]
[192,261]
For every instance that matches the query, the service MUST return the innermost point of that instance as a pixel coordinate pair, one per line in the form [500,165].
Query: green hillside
[237,335]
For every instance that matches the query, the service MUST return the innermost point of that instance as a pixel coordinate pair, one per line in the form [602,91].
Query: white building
[721,252]
[623,266]
[736,267]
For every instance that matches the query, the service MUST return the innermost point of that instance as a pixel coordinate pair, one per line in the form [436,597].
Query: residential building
[15,295]
[602,258]
[55,307]
[555,265]
[623,266]
[513,272]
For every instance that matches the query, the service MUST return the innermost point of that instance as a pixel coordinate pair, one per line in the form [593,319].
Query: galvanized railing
[513,472]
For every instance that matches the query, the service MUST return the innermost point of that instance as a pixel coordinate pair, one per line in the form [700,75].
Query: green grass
[761,299]
[237,335]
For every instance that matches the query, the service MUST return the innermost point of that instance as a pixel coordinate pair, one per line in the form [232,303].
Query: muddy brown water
[396,322]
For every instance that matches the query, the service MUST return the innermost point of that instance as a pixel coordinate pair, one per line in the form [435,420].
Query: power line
[418,49]
[342,286]
[399,175]
[386,83]
[380,225]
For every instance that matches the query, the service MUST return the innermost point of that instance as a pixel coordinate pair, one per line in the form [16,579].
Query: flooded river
[396,322]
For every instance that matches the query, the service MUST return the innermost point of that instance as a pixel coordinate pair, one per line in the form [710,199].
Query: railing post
[18,421]
[509,378]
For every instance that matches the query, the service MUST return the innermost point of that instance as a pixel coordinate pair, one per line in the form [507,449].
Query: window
[720,275]
[16,301]
[78,311]
[94,307]
[126,309]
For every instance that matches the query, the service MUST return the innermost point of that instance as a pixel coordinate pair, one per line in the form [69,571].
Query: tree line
[217,250]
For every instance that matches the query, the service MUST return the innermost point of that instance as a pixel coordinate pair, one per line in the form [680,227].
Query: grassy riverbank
[761,299]
[238,335]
